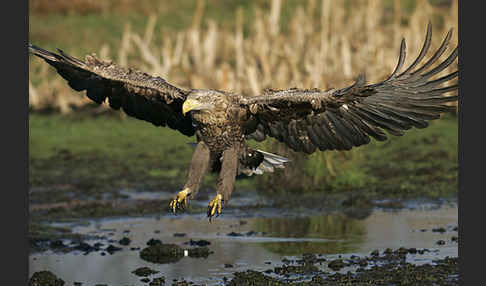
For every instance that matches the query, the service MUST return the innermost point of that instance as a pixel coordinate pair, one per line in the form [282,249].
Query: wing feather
[138,94]
[339,119]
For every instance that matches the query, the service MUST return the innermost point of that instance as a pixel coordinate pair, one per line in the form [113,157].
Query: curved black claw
[179,202]
[215,206]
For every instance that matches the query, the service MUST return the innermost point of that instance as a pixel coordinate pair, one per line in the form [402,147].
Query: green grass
[80,33]
[76,156]
[423,162]
[72,156]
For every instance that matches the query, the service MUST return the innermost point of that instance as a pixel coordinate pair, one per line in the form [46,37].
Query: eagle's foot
[179,202]
[215,206]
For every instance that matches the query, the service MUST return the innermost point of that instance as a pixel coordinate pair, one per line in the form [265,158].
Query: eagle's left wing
[307,120]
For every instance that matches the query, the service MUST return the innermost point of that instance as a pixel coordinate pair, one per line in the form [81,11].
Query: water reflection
[344,233]
[320,233]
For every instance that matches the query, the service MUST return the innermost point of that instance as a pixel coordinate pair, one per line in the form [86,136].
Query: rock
[201,242]
[85,247]
[124,241]
[159,281]
[199,252]
[162,253]
[336,264]
[412,250]
[288,270]
[144,271]
[57,244]
[154,242]
[45,278]
[234,234]
[111,249]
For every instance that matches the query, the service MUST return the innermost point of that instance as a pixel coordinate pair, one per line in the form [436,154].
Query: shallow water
[275,237]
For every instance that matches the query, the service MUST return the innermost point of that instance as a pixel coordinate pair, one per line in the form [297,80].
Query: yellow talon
[215,206]
[180,200]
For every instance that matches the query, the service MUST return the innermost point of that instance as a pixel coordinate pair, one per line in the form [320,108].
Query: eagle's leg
[226,181]
[197,169]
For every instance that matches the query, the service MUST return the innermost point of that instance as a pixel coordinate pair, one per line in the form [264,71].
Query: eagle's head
[202,100]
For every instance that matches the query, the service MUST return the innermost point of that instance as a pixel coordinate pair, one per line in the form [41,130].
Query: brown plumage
[305,120]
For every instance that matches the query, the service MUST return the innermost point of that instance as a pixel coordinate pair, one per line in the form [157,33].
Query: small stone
[234,234]
[57,244]
[124,241]
[144,271]
[159,281]
[336,264]
[152,242]
[201,242]
[111,249]
[439,229]
[412,250]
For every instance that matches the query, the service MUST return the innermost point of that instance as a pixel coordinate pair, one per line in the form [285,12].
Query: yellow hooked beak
[189,105]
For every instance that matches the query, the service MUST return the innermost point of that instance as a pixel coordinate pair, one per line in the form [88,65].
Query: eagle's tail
[269,163]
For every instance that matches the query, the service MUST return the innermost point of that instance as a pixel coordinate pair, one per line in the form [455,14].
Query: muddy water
[263,238]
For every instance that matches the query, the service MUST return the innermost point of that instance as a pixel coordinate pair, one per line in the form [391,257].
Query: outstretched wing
[341,119]
[138,94]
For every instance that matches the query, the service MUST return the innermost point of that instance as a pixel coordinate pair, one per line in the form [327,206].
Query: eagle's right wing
[140,95]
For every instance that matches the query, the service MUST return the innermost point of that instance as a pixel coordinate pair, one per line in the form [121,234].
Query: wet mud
[387,269]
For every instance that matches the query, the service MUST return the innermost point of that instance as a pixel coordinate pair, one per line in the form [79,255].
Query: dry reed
[323,52]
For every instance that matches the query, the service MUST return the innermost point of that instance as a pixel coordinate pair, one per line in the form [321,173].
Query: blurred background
[79,150]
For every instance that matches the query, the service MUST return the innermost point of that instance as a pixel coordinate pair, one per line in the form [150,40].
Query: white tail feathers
[270,162]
